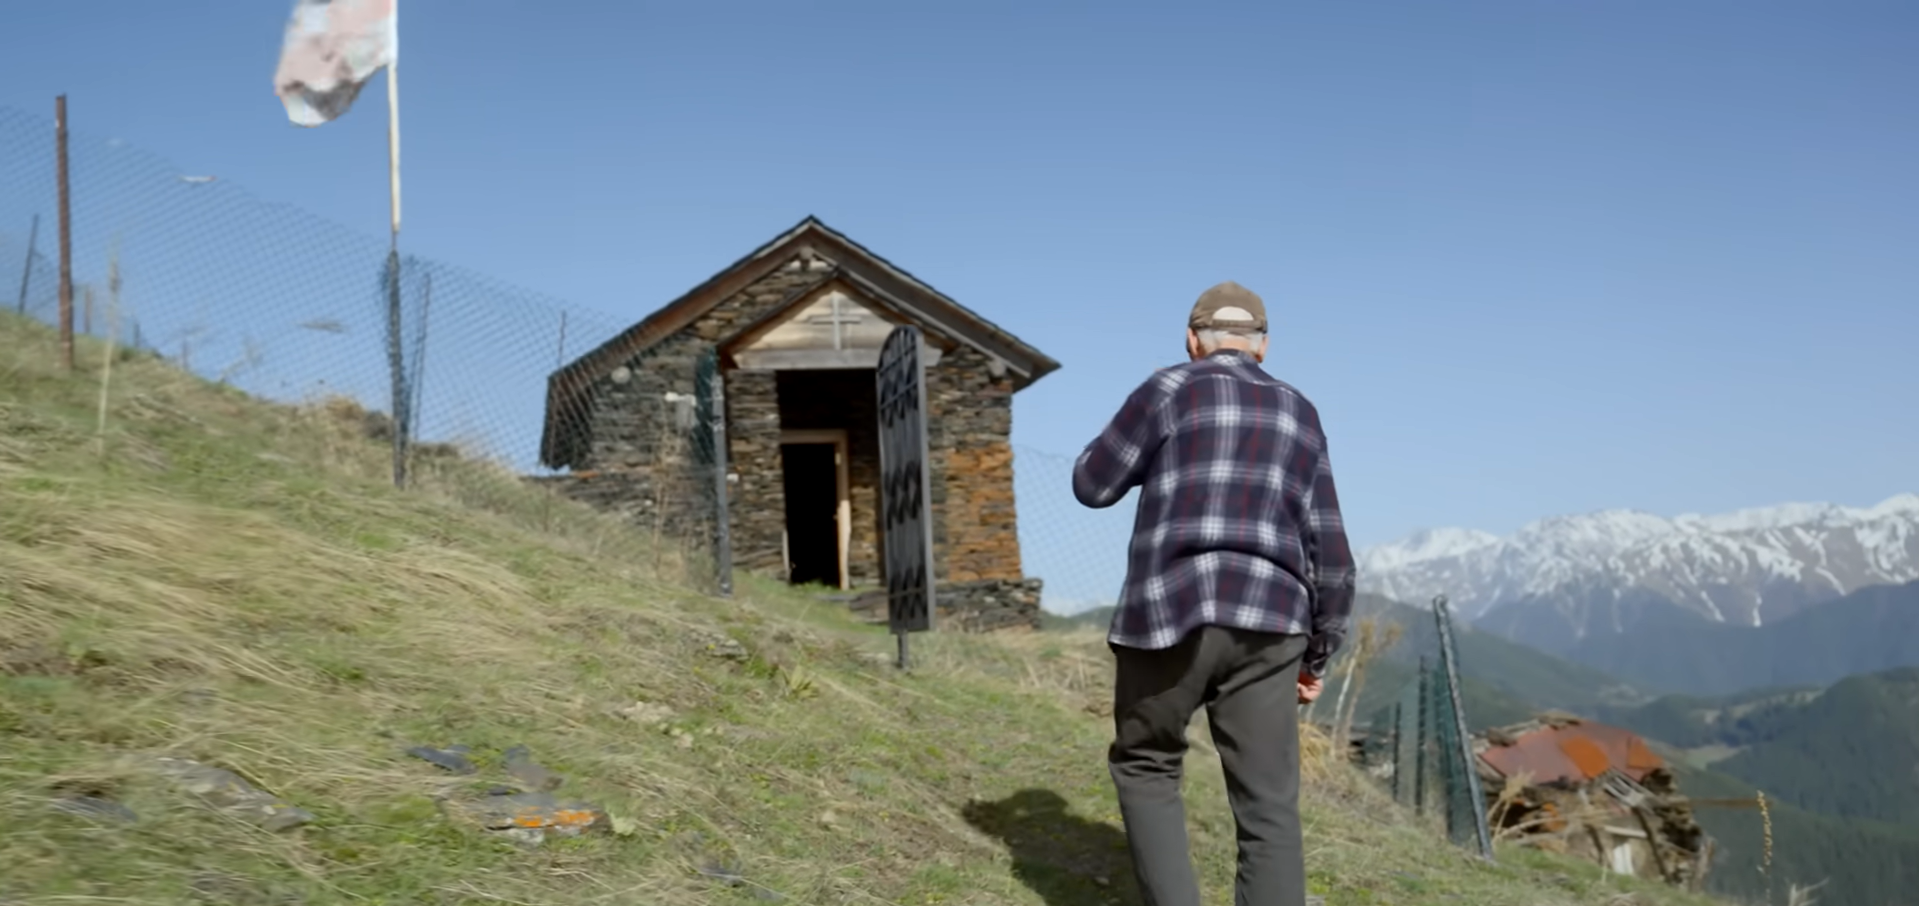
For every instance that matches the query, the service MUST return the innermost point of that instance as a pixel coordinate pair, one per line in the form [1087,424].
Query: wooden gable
[902,291]
[835,324]
[792,332]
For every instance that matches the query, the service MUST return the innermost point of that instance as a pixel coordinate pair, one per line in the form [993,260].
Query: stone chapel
[797,326]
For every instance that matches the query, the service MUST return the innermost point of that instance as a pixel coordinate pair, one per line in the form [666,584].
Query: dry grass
[233,582]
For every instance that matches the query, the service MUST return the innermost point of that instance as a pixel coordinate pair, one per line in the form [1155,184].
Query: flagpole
[393,126]
[316,89]
[402,419]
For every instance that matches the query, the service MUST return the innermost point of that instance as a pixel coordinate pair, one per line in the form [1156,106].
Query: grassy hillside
[233,584]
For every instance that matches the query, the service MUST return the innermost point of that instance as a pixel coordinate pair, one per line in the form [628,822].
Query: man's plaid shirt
[1238,521]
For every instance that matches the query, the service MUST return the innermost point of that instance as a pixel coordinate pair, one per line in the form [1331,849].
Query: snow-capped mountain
[1557,580]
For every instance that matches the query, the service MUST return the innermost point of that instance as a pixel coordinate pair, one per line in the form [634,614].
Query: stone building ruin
[794,329]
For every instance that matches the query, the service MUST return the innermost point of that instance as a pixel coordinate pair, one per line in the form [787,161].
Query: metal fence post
[66,233]
[396,365]
[722,521]
[1420,735]
[1399,751]
[1448,656]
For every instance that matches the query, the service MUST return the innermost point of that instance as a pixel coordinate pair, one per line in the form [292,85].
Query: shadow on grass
[1066,859]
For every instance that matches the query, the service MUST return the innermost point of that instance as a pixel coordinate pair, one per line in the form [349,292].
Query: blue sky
[1529,258]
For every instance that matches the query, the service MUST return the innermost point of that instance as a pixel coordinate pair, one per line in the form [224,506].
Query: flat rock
[530,814]
[95,807]
[520,764]
[228,792]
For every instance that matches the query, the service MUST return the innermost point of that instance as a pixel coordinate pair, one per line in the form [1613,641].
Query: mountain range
[1569,584]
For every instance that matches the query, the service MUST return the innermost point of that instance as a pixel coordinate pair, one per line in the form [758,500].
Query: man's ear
[1259,355]
[1192,343]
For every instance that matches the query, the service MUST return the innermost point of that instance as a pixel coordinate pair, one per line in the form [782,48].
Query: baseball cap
[1228,306]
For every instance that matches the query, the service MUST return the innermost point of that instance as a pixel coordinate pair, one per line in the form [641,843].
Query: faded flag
[332,48]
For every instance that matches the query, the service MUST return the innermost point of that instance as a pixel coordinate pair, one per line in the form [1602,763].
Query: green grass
[234,582]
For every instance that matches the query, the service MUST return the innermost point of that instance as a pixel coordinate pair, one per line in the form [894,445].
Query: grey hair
[1212,338]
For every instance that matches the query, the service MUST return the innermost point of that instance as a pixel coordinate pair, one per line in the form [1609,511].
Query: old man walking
[1239,587]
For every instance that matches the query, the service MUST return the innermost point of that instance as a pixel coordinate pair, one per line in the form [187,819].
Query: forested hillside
[1674,650]
[1862,863]
[1849,751]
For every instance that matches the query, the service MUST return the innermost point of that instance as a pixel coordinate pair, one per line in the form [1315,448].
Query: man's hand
[1309,687]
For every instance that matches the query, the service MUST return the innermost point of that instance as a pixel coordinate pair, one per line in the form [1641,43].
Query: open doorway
[818,511]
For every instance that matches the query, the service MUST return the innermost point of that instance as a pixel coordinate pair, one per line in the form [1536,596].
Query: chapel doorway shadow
[1066,859]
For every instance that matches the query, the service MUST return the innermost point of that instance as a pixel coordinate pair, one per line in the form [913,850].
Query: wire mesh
[1430,770]
[292,308]
[1079,552]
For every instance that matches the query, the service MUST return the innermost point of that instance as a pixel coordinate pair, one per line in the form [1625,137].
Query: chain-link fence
[1079,552]
[1424,746]
[292,308]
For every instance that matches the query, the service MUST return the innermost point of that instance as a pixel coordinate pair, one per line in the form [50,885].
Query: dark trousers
[1248,683]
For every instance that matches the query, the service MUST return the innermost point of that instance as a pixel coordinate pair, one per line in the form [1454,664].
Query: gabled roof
[852,262]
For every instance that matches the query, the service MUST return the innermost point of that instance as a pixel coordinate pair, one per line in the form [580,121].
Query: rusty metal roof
[1573,753]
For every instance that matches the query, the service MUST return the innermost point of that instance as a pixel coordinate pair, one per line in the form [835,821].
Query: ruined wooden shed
[1595,791]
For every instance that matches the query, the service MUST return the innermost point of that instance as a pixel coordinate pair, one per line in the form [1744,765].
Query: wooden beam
[818,359]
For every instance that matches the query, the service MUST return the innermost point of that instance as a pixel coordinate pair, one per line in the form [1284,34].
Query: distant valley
[1849,750]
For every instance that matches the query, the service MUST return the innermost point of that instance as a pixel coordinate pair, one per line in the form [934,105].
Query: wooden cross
[839,318]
